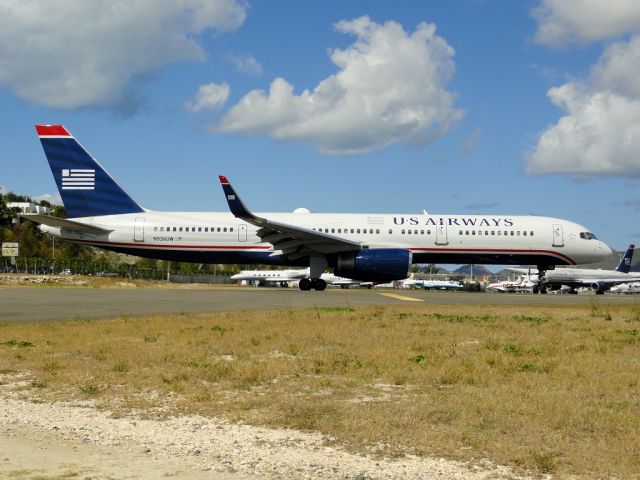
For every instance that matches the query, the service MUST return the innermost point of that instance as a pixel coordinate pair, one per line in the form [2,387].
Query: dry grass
[550,389]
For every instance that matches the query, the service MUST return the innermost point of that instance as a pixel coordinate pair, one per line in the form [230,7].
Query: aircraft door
[558,236]
[441,234]
[138,230]
[242,233]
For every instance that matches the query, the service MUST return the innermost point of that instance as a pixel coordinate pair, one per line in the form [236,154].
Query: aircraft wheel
[599,292]
[319,284]
[536,289]
[543,289]
[305,284]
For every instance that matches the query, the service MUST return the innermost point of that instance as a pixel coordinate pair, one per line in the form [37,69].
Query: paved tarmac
[24,304]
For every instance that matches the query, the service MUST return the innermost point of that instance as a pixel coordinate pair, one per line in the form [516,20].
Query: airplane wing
[64,223]
[288,240]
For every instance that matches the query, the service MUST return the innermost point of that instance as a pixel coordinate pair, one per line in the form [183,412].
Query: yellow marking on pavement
[402,297]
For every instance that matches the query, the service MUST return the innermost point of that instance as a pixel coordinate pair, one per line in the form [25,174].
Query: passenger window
[512,232]
[466,232]
[377,230]
[180,229]
[333,230]
[429,232]
[493,232]
[231,229]
[224,229]
[402,232]
[531,233]
[358,230]
[460,232]
[518,232]
[206,229]
[352,231]
[499,232]
[524,232]
[199,229]
[473,232]
[408,232]
[390,232]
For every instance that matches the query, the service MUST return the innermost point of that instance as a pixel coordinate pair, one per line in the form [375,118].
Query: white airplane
[523,284]
[283,277]
[368,247]
[264,277]
[432,284]
[626,288]
[595,279]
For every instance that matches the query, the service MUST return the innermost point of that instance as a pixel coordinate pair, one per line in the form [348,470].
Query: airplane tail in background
[625,262]
[87,190]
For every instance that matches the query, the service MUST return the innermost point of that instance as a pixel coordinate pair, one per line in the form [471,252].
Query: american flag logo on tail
[78,179]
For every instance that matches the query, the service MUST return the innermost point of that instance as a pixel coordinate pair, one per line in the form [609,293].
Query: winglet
[236,205]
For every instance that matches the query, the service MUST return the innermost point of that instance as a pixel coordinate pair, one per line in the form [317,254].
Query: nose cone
[606,250]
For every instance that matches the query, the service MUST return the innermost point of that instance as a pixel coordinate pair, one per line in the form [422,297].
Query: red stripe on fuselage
[160,246]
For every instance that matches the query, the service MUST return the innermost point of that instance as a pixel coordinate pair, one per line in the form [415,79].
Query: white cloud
[211,96]
[563,22]
[246,64]
[389,88]
[85,52]
[600,135]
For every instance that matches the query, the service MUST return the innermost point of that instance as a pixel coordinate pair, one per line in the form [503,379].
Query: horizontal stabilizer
[64,223]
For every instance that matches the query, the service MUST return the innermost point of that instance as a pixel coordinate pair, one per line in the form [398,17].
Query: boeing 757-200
[365,246]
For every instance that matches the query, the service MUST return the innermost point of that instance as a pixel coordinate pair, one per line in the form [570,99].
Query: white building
[29,207]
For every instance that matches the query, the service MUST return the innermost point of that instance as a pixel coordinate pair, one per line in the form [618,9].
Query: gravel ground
[47,438]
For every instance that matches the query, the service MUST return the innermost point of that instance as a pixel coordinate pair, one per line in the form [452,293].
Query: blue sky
[464,106]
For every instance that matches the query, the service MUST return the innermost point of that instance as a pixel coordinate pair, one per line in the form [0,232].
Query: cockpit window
[587,236]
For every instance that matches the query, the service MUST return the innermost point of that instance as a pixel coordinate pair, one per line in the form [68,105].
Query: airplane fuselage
[220,237]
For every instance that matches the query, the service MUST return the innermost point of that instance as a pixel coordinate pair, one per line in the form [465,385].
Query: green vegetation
[39,253]
[550,389]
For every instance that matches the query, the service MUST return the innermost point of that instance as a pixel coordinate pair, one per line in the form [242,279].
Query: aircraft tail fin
[625,262]
[87,190]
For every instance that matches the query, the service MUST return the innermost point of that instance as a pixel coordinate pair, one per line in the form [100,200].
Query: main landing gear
[312,283]
[542,284]
[317,265]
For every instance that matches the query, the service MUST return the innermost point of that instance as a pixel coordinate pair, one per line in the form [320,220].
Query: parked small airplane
[522,284]
[265,277]
[626,288]
[283,277]
[597,280]
[369,247]
[432,284]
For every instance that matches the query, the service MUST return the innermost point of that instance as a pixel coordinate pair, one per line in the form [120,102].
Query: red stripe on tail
[52,130]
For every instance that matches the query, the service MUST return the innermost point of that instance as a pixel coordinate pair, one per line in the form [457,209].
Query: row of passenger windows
[193,229]
[496,232]
[353,230]
[427,232]
[348,230]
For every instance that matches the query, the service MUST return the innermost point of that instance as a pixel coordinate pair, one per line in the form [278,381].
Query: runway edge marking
[402,297]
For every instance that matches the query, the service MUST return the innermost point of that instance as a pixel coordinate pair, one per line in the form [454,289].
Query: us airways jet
[369,247]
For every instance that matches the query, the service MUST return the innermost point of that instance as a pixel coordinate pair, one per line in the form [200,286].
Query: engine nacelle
[599,287]
[375,265]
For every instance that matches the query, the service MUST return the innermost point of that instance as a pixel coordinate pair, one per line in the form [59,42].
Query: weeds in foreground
[550,390]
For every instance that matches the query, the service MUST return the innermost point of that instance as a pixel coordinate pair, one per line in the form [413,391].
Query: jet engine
[375,265]
[599,287]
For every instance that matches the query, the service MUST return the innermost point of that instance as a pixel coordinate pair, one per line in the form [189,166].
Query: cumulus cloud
[85,52]
[389,88]
[564,22]
[211,96]
[600,133]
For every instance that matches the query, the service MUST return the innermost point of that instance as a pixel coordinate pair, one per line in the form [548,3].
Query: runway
[25,304]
